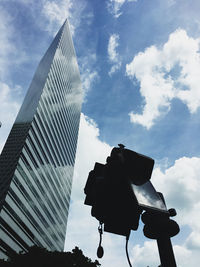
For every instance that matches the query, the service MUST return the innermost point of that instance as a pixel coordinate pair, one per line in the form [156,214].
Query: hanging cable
[127,238]
[100,251]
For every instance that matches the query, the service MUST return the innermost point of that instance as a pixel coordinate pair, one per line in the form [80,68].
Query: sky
[140,69]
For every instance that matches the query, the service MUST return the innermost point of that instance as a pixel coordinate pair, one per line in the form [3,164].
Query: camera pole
[166,252]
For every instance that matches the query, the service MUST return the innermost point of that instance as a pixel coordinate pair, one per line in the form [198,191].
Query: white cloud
[9,107]
[9,56]
[147,255]
[114,6]
[112,53]
[167,73]
[180,185]
[51,14]
[88,77]
[89,74]
[171,2]
[193,241]
[56,12]
[7,47]
[112,45]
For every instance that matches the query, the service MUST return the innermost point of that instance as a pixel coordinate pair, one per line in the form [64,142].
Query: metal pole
[166,252]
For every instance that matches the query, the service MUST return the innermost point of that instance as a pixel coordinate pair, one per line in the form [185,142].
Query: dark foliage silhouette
[40,257]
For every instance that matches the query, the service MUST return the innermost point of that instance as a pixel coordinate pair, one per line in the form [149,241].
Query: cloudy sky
[140,68]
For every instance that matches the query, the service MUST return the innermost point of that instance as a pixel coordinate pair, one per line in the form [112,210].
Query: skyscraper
[36,164]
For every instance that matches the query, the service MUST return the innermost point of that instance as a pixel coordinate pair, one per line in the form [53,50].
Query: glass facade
[36,164]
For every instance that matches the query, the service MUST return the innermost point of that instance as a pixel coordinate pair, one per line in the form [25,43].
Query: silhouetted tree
[40,257]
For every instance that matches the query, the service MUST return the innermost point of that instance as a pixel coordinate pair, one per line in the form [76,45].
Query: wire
[127,238]
[100,251]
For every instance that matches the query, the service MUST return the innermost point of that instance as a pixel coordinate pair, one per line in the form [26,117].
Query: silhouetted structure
[37,161]
[119,191]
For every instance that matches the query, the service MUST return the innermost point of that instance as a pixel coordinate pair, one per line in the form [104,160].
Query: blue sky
[140,68]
